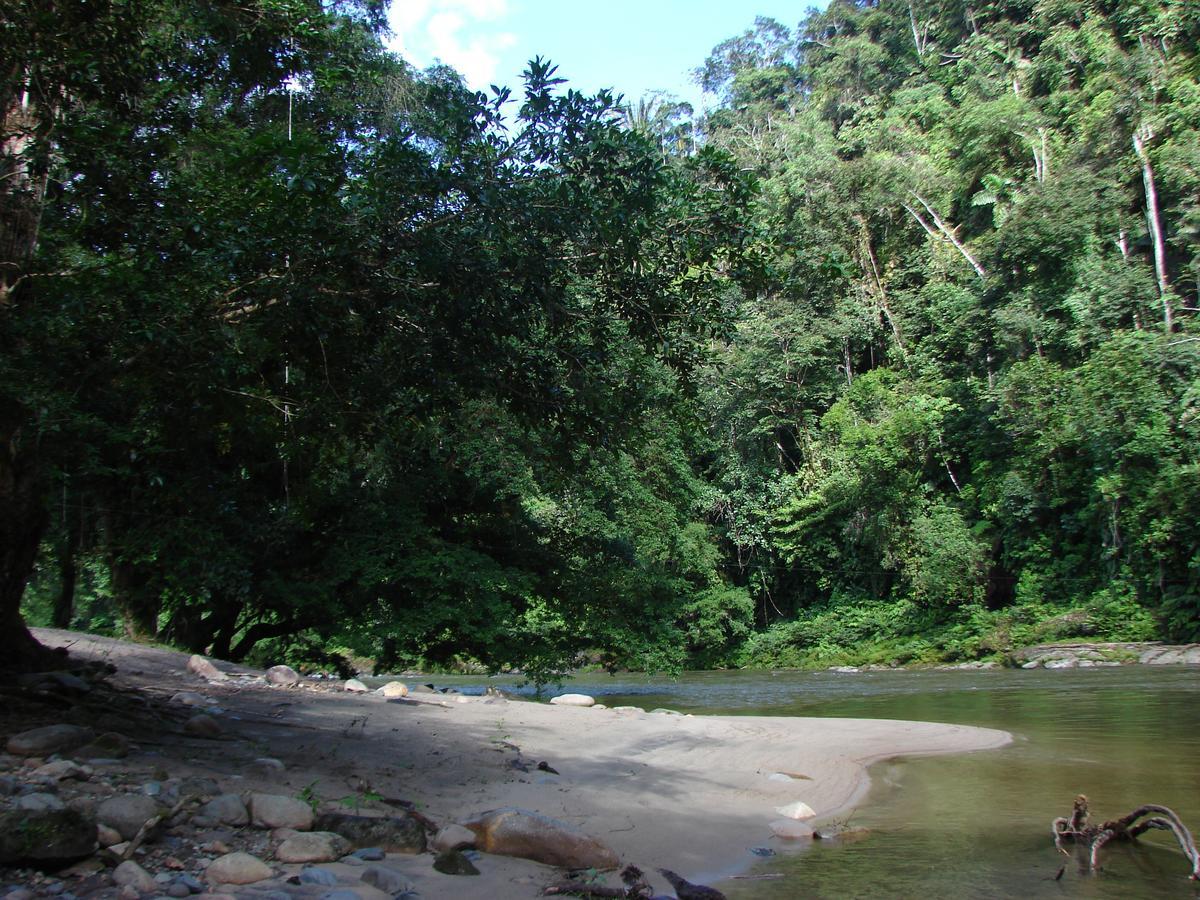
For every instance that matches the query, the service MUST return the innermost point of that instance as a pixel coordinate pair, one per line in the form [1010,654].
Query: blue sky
[633,46]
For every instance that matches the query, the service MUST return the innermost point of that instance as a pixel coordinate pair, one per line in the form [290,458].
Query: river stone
[387,880]
[314,875]
[48,739]
[573,700]
[225,809]
[394,834]
[191,698]
[452,862]
[369,854]
[203,726]
[791,829]
[198,665]
[53,836]
[312,846]
[110,745]
[511,831]
[132,875]
[277,811]
[453,837]
[797,810]
[62,770]
[107,836]
[354,686]
[127,813]
[282,675]
[40,802]
[237,868]
[393,689]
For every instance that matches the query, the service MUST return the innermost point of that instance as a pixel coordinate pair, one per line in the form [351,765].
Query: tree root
[1076,830]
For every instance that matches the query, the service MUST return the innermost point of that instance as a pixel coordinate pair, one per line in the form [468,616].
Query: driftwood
[1076,830]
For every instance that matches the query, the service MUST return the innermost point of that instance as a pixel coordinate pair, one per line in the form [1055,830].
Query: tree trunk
[139,604]
[1154,223]
[68,570]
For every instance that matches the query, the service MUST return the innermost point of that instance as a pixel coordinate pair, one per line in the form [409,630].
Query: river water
[974,825]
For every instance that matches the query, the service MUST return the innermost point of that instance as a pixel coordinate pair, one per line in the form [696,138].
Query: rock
[845,834]
[198,786]
[203,726]
[343,895]
[452,862]
[127,813]
[267,765]
[354,686]
[453,837]
[190,882]
[519,832]
[387,880]
[791,829]
[395,834]
[177,890]
[63,770]
[191,698]
[110,745]
[312,846]
[283,676]
[63,682]
[107,836]
[225,809]
[48,739]
[277,811]
[52,836]
[198,665]
[132,875]
[393,689]
[573,700]
[40,802]
[371,854]
[237,868]
[797,810]
[314,875]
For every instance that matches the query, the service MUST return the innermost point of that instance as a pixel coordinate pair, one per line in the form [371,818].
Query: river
[974,825]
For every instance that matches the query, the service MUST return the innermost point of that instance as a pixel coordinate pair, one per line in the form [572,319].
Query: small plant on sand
[357,800]
[308,794]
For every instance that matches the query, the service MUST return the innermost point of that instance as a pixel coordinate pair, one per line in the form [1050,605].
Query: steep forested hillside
[892,356]
[964,411]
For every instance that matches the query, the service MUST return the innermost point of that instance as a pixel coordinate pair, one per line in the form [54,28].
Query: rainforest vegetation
[890,356]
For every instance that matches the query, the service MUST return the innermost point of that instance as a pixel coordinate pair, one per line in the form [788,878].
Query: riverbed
[976,825]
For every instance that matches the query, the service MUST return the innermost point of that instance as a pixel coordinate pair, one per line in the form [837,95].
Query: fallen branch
[1094,838]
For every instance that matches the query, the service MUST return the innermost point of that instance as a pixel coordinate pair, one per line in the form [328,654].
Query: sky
[632,46]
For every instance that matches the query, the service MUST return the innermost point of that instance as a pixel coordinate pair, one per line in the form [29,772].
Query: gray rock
[354,686]
[791,829]
[277,811]
[45,837]
[198,665]
[198,786]
[267,765]
[63,770]
[371,854]
[312,846]
[387,880]
[110,745]
[127,813]
[453,837]
[48,739]
[191,698]
[8,786]
[573,700]
[224,809]
[40,802]
[520,832]
[191,882]
[107,836]
[663,711]
[315,875]
[395,834]
[203,726]
[452,862]
[132,875]
[178,890]
[237,868]
[283,676]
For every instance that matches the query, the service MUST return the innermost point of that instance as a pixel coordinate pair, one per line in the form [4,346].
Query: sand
[689,793]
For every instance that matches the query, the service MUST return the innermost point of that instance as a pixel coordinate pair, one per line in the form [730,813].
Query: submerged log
[1076,830]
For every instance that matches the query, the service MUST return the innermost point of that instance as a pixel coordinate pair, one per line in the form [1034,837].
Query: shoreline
[689,793]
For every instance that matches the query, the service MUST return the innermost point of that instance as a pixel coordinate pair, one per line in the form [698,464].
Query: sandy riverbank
[692,794]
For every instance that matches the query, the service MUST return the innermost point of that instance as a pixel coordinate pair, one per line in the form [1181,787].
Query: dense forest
[892,356]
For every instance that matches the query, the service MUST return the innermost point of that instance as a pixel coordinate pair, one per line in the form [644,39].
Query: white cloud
[460,33]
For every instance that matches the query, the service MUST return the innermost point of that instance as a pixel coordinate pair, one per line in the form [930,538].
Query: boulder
[50,836]
[797,810]
[237,868]
[512,831]
[573,700]
[322,877]
[354,686]
[198,665]
[203,726]
[40,802]
[277,811]
[312,846]
[453,837]
[453,862]
[48,739]
[393,689]
[224,809]
[132,875]
[283,676]
[395,834]
[127,813]
[791,829]
[110,745]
